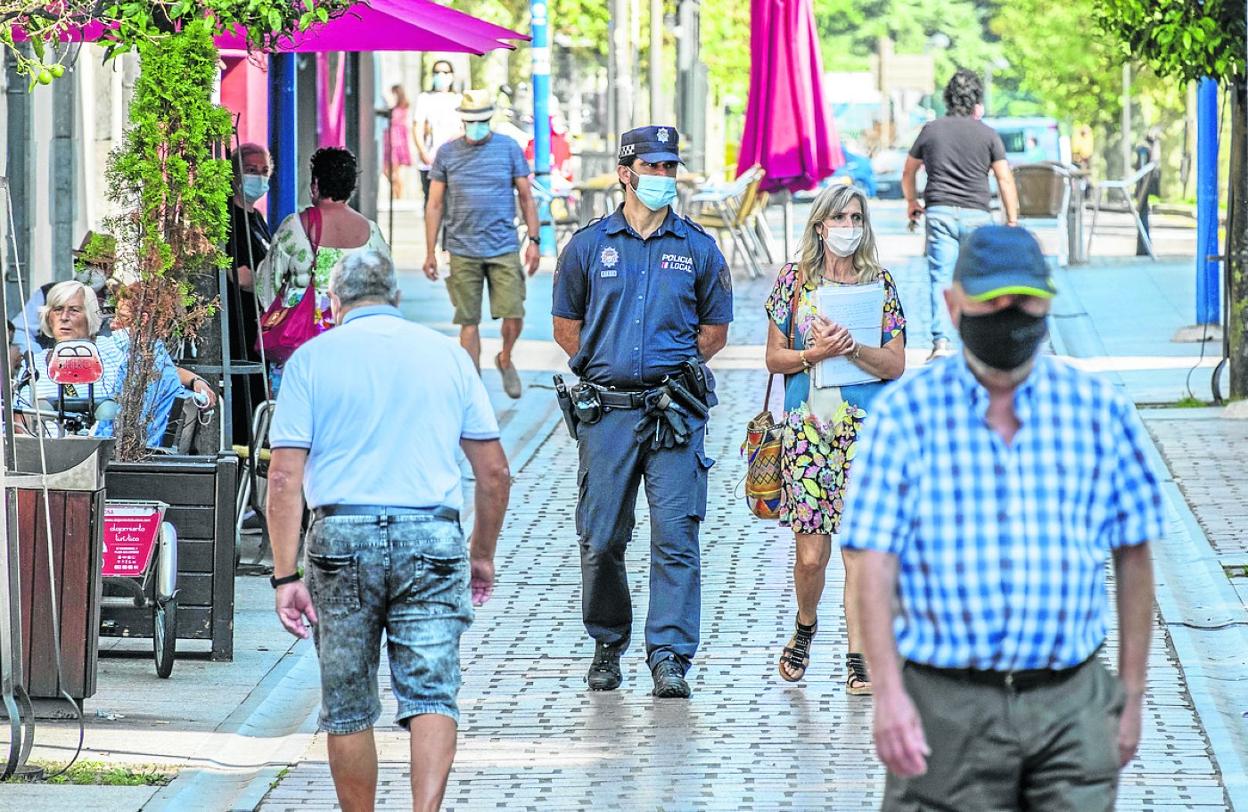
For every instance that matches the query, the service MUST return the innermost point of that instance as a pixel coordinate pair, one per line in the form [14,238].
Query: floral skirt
[814,467]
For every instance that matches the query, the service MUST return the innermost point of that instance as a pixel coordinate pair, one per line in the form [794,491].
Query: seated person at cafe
[73,312]
[94,260]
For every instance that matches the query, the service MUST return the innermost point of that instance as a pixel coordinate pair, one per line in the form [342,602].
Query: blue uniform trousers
[612,466]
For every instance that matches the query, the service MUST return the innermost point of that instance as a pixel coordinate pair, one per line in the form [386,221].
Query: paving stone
[532,737]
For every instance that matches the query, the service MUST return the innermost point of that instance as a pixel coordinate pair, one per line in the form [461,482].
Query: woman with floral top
[291,261]
[821,423]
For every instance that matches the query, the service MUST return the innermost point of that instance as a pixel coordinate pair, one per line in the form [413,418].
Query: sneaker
[940,348]
[604,671]
[511,378]
[669,680]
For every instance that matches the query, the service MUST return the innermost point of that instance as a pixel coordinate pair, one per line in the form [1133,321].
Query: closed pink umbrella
[788,129]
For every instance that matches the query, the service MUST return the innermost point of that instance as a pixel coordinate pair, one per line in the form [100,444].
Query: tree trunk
[1237,244]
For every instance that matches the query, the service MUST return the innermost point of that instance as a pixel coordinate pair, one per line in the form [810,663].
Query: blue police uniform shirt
[640,301]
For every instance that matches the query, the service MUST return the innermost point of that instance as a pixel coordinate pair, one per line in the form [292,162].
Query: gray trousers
[1053,747]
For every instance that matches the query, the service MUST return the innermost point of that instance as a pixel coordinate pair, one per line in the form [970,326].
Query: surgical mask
[1004,340]
[442,81]
[476,130]
[842,241]
[255,187]
[655,192]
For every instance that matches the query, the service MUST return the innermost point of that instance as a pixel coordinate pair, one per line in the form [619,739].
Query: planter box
[200,492]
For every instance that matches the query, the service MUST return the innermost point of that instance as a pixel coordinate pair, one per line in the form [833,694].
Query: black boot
[604,671]
[669,680]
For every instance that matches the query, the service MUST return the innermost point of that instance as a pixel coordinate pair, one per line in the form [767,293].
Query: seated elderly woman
[70,313]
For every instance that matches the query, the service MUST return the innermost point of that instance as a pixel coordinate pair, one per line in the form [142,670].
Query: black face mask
[1003,340]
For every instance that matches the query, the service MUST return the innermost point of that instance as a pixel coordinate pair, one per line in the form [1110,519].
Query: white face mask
[842,241]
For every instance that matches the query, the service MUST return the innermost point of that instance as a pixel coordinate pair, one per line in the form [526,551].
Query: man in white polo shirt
[367,426]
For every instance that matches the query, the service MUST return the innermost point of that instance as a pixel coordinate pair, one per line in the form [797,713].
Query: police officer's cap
[651,144]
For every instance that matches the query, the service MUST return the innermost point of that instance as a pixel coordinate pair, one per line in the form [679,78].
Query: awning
[393,25]
[375,25]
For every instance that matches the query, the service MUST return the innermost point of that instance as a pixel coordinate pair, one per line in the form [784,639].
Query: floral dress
[289,262]
[817,449]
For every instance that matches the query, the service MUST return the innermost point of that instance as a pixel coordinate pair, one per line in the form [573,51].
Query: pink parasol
[788,129]
[394,25]
[374,25]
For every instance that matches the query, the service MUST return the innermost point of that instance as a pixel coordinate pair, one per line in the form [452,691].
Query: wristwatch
[535,239]
[285,579]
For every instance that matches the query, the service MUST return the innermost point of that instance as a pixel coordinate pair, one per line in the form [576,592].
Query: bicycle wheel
[164,635]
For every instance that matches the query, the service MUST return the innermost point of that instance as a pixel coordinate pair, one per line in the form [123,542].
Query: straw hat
[476,105]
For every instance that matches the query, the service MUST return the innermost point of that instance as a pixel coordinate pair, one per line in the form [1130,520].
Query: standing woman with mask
[247,246]
[821,423]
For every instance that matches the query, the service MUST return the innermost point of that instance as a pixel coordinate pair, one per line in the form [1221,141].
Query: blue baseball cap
[1001,260]
[651,144]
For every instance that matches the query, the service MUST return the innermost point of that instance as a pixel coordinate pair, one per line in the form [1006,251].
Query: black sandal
[858,683]
[796,655]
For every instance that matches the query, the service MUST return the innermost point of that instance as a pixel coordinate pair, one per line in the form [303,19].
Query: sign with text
[130,534]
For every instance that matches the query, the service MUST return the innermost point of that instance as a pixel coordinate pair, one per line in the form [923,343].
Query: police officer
[642,299]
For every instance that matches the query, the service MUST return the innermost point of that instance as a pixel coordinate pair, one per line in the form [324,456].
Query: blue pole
[283,141]
[541,121]
[1208,304]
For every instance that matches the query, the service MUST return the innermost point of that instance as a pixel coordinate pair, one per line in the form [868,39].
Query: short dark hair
[629,161]
[963,92]
[334,170]
[446,62]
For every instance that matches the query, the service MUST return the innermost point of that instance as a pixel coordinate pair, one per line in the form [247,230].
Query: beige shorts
[469,276]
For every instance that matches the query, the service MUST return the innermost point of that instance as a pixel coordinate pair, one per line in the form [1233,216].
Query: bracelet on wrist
[856,353]
[801,354]
[285,579]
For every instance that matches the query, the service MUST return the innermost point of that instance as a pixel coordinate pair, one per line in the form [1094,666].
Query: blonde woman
[821,424]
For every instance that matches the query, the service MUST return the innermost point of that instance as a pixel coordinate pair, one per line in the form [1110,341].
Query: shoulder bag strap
[771,379]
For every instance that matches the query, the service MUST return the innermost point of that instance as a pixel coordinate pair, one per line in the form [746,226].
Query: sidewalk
[532,737]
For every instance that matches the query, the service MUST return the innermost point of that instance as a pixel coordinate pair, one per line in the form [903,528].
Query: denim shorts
[406,575]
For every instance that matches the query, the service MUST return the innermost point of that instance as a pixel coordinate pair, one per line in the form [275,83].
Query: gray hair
[61,294]
[240,156]
[364,276]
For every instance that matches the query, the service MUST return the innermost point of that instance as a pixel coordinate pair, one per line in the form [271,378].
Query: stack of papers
[860,308]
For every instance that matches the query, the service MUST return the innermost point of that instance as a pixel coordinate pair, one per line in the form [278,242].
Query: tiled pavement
[1205,453]
[532,737]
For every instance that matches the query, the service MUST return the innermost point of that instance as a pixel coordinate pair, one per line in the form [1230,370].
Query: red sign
[75,362]
[130,533]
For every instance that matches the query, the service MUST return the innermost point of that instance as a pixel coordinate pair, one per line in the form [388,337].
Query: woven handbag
[762,448]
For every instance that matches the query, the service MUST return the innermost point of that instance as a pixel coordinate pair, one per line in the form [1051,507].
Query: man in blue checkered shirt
[990,490]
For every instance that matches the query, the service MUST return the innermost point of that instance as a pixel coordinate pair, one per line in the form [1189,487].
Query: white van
[1031,140]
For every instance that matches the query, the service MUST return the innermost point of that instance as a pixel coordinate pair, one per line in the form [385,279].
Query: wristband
[285,579]
[856,354]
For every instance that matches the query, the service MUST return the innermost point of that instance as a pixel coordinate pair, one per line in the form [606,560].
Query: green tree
[1188,40]
[849,31]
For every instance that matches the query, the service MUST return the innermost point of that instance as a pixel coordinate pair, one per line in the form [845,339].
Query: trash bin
[75,504]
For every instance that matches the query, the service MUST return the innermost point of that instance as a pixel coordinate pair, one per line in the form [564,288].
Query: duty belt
[622,399]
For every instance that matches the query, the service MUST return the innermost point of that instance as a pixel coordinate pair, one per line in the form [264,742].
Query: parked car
[887,165]
[1031,140]
[856,170]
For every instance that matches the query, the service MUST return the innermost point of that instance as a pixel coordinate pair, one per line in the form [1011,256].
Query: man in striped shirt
[989,492]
